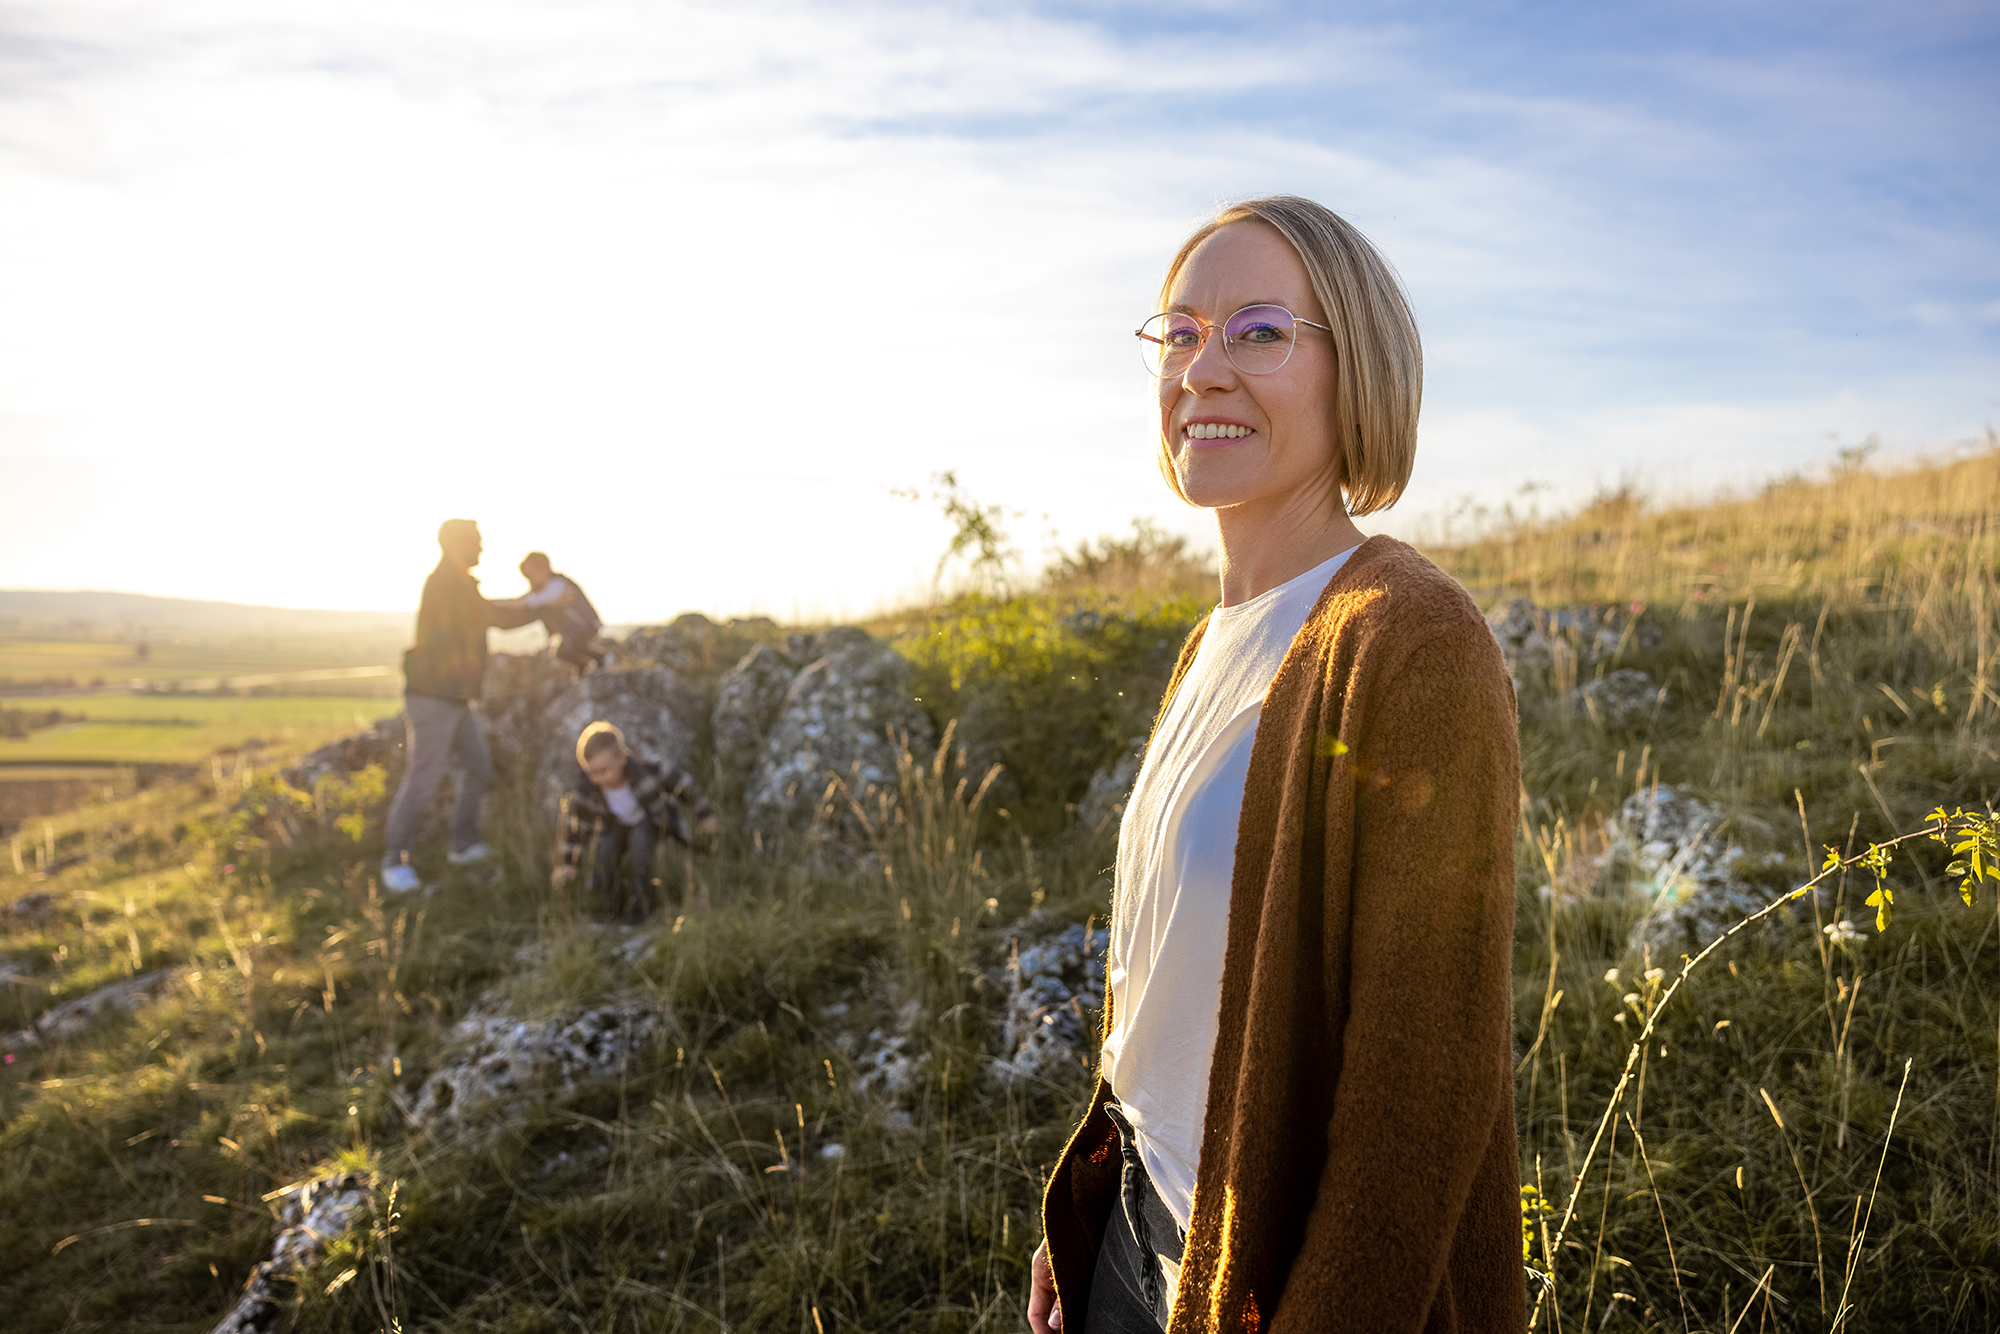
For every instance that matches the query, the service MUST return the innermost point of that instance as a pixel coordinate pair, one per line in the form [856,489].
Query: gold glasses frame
[1228,343]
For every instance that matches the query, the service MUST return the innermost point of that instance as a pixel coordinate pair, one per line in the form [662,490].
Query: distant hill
[91,614]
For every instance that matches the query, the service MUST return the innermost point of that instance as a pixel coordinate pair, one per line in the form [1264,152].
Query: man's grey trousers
[443,734]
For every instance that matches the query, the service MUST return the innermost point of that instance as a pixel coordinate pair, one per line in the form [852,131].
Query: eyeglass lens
[1257,340]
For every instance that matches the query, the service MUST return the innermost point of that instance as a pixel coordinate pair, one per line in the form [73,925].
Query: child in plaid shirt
[622,803]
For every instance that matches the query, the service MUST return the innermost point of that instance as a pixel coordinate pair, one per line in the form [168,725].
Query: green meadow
[112,729]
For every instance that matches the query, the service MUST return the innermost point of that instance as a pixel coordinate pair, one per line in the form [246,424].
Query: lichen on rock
[1691,874]
[496,1064]
[1054,990]
[1623,701]
[312,1217]
[847,713]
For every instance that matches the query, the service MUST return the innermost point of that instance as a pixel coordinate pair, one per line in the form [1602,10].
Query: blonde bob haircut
[1378,357]
[598,736]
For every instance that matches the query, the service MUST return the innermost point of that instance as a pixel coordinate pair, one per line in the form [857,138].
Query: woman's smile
[1208,432]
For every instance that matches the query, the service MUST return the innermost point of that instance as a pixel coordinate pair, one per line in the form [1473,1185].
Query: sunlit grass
[1840,708]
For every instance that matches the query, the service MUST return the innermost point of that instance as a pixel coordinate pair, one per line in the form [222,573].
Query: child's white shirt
[550,593]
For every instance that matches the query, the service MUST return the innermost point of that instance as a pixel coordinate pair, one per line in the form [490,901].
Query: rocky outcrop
[32,905]
[847,712]
[1624,701]
[73,1017]
[684,647]
[1054,989]
[496,1064]
[535,728]
[1103,805]
[314,1216]
[1689,871]
[747,701]
[1530,636]
[350,754]
[890,1061]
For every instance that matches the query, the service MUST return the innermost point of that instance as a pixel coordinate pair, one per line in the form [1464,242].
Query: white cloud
[678,291]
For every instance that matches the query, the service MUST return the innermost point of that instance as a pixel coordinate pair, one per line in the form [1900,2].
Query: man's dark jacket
[449,659]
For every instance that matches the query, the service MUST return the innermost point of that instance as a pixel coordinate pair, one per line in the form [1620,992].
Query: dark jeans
[444,734]
[630,897]
[1129,1289]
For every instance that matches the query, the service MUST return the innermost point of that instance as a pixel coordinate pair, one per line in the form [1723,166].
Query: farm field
[183,729]
[36,666]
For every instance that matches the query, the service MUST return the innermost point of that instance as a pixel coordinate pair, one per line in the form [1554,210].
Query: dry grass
[1812,1126]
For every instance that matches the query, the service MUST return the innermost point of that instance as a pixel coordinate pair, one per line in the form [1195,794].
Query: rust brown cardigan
[1359,1164]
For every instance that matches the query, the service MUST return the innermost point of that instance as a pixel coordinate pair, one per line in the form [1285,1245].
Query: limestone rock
[1623,701]
[890,1061]
[497,1063]
[74,1017]
[317,1214]
[350,754]
[1103,806]
[747,701]
[33,905]
[1529,636]
[848,712]
[1691,872]
[1055,987]
[520,690]
[535,732]
[683,647]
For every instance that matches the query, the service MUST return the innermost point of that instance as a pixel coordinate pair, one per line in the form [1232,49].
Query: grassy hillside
[758,1164]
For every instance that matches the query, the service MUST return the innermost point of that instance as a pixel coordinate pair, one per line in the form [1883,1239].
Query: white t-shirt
[550,593]
[623,804]
[1176,852]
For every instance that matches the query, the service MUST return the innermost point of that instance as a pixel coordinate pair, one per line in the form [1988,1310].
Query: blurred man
[559,602]
[443,673]
[622,803]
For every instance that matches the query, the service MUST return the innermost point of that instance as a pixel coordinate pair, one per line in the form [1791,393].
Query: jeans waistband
[1153,1224]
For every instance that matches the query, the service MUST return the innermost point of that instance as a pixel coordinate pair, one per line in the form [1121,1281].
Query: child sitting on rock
[622,803]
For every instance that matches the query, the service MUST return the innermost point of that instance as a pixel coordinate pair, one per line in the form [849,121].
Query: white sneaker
[400,880]
[471,856]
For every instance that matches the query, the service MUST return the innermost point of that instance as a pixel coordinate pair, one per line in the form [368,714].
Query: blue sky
[284,284]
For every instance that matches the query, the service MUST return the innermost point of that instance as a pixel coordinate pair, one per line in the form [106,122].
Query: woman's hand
[1044,1316]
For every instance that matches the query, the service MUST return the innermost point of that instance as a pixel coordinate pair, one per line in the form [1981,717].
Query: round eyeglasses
[1256,339]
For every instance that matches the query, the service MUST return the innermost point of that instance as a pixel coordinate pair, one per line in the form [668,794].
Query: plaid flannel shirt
[667,794]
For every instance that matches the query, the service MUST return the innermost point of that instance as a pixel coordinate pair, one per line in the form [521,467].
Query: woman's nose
[1211,367]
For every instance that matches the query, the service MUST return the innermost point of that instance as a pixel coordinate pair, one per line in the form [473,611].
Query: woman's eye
[1182,338]
[1261,333]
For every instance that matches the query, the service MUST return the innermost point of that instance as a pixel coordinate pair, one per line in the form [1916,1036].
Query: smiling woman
[1306,1102]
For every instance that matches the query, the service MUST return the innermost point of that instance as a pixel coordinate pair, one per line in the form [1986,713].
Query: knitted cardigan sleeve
[1424,1096]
